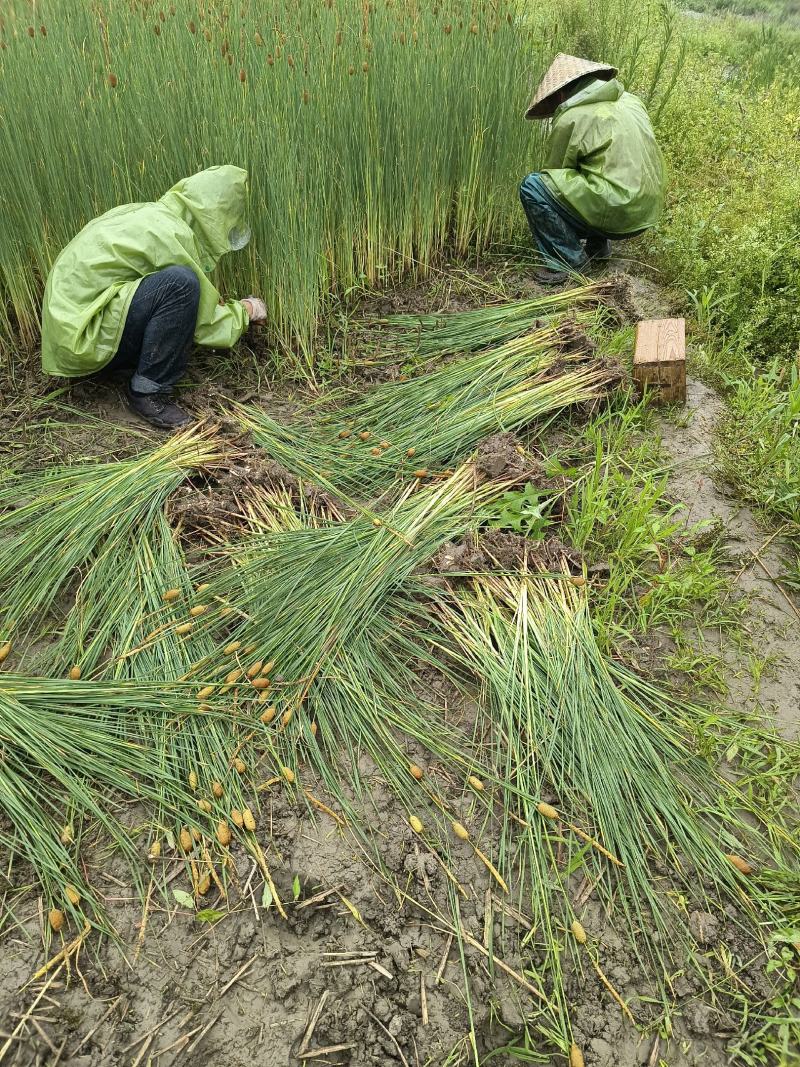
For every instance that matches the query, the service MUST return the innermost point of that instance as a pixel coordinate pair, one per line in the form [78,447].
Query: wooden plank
[659,360]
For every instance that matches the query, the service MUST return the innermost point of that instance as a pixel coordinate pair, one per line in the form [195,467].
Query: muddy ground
[358,975]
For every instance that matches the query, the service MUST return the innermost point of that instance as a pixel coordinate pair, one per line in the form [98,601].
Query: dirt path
[773,619]
[768,679]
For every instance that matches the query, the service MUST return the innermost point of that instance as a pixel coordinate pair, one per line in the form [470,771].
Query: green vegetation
[288,657]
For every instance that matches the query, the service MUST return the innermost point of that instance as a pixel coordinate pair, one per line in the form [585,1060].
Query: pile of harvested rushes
[61,522]
[466,331]
[293,599]
[72,750]
[420,427]
[121,624]
[565,724]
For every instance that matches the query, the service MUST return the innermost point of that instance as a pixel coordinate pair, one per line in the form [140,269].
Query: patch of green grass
[652,572]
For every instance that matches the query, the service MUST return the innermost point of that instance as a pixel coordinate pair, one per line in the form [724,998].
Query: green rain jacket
[603,163]
[92,282]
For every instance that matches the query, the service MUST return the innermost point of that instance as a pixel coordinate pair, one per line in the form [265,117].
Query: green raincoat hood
[594,91]
[213,204]
[603,163]
[95,277]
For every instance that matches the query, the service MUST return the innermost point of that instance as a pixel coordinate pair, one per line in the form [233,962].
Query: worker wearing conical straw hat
[132,291]
[603,178]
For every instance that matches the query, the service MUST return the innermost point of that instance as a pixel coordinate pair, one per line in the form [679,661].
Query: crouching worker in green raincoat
[131,291]
[603,178]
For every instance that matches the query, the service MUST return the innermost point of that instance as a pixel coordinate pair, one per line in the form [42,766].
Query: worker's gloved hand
[255,307]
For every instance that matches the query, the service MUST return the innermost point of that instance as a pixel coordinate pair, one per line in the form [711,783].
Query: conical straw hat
[563,70]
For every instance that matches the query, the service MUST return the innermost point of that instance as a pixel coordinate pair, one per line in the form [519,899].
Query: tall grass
[375,134]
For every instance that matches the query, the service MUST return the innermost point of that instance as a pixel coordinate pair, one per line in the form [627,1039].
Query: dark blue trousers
[159,329]
[558,234]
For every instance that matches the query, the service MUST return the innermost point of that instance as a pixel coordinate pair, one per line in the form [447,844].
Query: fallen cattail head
[575,1055]
[578,932]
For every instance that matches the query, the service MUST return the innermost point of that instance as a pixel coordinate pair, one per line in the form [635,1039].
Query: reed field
[376,135]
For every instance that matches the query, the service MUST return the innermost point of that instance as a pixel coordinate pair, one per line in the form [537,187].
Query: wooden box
[659,360]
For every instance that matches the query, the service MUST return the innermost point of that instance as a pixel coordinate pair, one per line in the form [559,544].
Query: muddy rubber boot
[158,410]
[598,249]
[551,277]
